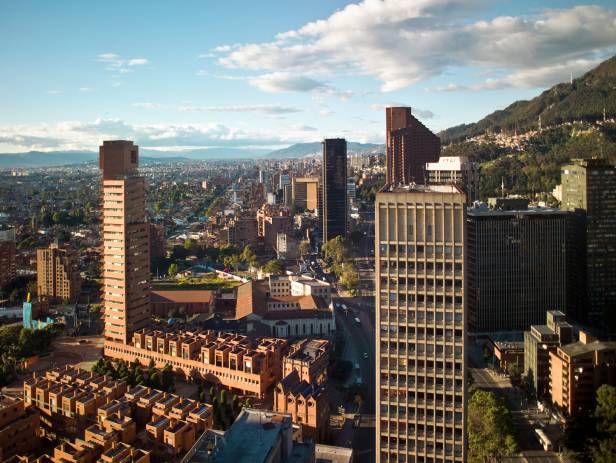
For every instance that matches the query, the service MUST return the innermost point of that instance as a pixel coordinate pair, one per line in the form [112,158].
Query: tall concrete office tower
[126,248]
[410,145]
[589,189]
[334,188]
[420,343]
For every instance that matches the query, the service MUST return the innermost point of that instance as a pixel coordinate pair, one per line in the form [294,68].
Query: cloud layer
[89,135]
[401,43]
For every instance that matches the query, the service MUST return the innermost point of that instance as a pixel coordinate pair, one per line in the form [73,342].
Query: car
[358,321]
[365,355]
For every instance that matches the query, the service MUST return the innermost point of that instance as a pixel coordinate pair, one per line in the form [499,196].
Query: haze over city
[378,231]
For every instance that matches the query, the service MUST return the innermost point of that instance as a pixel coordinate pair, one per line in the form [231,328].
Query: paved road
[524,418]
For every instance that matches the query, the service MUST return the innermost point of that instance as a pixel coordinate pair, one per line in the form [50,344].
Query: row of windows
[420,250]
[400,266]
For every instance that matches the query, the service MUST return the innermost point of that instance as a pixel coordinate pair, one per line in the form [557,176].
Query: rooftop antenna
[503,187]
[604,114]
[571,78]
[539,122]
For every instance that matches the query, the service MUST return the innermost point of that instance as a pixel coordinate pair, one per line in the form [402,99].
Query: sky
[266,74]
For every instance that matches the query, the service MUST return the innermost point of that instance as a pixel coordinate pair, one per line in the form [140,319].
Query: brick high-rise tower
[410,145]
[126,249]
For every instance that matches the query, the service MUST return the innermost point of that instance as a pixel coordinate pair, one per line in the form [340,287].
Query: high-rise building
[517,266]
[7,256]
[57,273]
[420,343]
[334,188]
[410,145]
[306,193]
[457,170]
[126,246]
[589,189]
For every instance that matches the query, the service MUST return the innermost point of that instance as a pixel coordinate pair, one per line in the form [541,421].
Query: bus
[544,440]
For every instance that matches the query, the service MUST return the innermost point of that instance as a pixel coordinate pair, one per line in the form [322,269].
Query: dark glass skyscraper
[334,188]
[589,189]
[410,145]
[517,267]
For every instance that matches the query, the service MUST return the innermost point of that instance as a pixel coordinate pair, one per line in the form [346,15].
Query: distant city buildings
[589,190]
[334,184]
[7,256]
[57,272]
[409,146]
[420,338]
[517,265]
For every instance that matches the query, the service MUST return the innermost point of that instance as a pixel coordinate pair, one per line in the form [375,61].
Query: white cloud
[265,109]
[137,62]
[53,92]
[147,105]
[86,89]
[115,63]
[402,42]
[71,135]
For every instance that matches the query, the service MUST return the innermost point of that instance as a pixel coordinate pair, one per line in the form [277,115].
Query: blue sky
[179,75]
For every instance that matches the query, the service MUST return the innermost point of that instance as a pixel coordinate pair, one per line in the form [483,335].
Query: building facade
[577,370]
[517,267]
[305,193]
[420,363]
[19,428]
[539,341]
[7,257]
[589,189]
[334,181]
[126,246]
[456,170]
[409,146]
[57,274]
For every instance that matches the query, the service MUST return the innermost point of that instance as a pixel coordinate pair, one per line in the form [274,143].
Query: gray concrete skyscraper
[420,337]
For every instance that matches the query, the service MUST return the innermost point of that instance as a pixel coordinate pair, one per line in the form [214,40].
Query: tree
[490,429]
[273,267]
[337,250]
[248,256]
[172,271]
[304,248]
[605,412]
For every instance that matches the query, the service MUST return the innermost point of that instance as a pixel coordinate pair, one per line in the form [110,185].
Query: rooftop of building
[581,348]
[183,297]
[308,350]
[418,188]
[331,454]
[252,436]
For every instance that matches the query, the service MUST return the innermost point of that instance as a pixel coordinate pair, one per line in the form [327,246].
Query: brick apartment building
[235,361]
[101,414]
[302,392]
[19,428]
[57,274]
[577,370]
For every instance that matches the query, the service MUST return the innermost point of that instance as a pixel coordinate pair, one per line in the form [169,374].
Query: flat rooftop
[579,348]
[417,188]
[252,437]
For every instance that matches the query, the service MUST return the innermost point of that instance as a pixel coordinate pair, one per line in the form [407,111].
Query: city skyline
[257,80]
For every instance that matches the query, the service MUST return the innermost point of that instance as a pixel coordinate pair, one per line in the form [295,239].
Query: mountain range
[33,159]
[586,98]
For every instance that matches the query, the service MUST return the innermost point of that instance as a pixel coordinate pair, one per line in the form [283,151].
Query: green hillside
[584,99]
